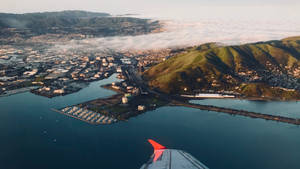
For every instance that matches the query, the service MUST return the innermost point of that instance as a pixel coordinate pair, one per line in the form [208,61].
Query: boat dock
[86,115]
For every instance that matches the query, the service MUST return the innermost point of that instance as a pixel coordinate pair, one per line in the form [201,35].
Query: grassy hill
[269,69]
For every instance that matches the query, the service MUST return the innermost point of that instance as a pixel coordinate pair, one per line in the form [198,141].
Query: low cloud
[183,34]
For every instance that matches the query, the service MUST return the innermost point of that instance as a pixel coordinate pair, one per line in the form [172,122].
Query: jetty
[282,119]
[86,115]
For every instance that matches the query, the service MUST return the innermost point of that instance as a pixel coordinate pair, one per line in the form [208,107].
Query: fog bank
[183,33]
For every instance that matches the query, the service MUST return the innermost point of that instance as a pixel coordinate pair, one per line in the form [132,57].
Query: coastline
[108,86]
[282,119]
[248,99]
[234,97]
[18,91]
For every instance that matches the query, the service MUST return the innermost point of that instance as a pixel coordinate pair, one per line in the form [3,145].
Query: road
[135,78]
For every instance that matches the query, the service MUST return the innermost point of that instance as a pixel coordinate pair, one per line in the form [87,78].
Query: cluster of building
[56,73]
[62,71]
[130,92]
[286,79]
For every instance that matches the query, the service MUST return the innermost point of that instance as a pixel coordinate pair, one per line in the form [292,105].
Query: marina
[86,115]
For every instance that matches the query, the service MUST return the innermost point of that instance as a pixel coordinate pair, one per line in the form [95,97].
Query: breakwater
[282,119]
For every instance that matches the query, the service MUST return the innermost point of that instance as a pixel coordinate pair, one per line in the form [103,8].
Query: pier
[282,119]
[86,115]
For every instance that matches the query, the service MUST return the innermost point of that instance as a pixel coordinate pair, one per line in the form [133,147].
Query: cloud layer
[182,34]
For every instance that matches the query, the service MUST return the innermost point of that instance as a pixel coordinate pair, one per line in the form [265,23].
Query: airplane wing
[164,158]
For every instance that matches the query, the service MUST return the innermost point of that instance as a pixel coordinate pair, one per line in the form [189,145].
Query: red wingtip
[156,145]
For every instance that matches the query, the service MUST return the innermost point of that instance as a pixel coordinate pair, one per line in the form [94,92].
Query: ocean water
[34,137]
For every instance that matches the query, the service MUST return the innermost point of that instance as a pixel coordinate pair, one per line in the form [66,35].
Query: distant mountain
[265,69]
[66,22]
[32,20]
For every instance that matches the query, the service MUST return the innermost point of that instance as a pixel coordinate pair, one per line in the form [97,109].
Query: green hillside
[70,22]
[268,69]
[46,19]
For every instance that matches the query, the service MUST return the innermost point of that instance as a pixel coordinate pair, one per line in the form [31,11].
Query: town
[47,72]
[45,66]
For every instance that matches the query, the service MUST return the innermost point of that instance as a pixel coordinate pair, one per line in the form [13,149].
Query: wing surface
[164,158]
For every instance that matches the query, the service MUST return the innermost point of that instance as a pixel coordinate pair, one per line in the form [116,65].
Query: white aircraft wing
[164,158]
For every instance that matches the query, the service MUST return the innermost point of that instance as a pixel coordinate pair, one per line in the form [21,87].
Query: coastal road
[135,78]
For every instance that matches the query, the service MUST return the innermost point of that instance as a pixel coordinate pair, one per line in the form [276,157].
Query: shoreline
[238,98]
[276,118]
[246,99]
[108,86]
[18,91]
[184,101]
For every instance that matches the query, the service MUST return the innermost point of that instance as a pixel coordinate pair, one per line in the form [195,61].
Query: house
[141,107]
[124,100]
[59,91]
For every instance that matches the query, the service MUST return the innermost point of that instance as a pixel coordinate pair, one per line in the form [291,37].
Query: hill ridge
[268,69]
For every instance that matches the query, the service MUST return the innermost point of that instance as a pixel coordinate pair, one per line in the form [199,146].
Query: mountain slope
[30,20]
[73,22]
[269,69]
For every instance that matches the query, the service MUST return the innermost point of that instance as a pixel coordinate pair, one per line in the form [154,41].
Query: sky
[165,8]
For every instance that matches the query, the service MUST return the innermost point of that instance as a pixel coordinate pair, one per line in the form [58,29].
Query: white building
[141,107]
[124,100]
[59,91]
[31,73]
[119,70]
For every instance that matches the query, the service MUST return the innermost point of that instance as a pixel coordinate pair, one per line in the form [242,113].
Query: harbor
[68,139]
[86,115]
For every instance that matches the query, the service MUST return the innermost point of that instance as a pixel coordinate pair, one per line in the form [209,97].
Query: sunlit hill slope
[264,69]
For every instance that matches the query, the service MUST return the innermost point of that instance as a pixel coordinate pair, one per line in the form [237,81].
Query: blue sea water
[34,137]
